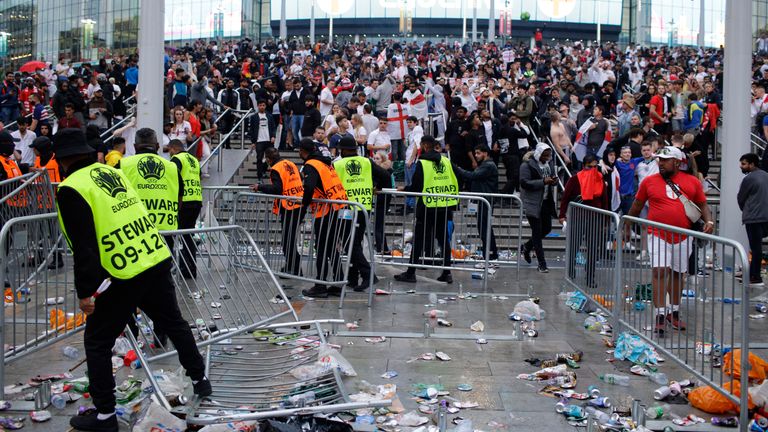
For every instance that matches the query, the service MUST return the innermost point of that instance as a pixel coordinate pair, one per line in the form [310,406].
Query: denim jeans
[296,122]
[9,114]
[410,202]
[755,234]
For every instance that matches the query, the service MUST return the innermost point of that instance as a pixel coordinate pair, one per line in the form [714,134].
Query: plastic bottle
[614,379]
[442,417]
[600,416]
[659,378]
[657,412]
[435,313]
[60,400]
[70,352]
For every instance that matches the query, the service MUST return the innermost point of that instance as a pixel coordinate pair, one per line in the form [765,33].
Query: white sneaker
[643,256]
[760,284]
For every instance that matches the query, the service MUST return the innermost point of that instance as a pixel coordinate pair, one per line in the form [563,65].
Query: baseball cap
[669,152]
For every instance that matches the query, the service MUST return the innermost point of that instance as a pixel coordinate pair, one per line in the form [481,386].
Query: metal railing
[234,300]
[440,237]
[48,109]
[299,246]
[26,195]
[109,134]
[590,253]
[41,305]
[216,152]
[674,288]
[679,303]
[191,148]
[758,143]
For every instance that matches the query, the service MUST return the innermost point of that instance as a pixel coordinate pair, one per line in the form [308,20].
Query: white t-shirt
[27,154]
[379,138]
[326,101]
[179,132]
[129,134]
[414,140]
[370,122]
[263,128]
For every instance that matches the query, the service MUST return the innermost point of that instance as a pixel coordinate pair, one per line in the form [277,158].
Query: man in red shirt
[659,109]
[69,120]
[669,251]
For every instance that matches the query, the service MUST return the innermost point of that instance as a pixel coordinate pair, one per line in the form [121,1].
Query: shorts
[669,255]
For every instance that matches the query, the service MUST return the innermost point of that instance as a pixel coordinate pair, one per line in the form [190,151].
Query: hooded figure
[538,179]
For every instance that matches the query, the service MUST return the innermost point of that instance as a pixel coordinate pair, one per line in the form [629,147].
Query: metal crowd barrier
[590,253]
[394,223]
[40,305]
[647,270]
[26,195]
[297,245]
[254,344]
[678,272]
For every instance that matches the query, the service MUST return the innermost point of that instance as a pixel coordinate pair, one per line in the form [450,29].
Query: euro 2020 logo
[353,168]
[151,169]
[440,167]
[110,182]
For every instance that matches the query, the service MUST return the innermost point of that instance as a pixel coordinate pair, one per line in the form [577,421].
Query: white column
[702,24]
[640,26]
[312,23]
[599,18]
[463,22]
[492,22]
[736,116]
[151,43]
[330,30]
[283,25]
[474,21]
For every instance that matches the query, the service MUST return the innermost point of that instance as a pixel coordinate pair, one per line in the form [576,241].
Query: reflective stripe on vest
[439,178]
[292,186]
[190,175]
[52,167]
[127,239]
[356,176]
[156,181]
[333,188]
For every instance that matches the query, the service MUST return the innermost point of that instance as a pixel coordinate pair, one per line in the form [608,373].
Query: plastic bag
[758,368]
[527,308]
[576,301]
[711,401]
[308,371]
[240,426]
[760,394]
[122,346]
[158,419]
[632,348]
[171,383]
[332,359]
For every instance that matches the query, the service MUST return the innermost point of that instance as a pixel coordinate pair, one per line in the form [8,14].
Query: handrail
[217,151]
[711,183]
[193,145]
[756,140]
[109,133]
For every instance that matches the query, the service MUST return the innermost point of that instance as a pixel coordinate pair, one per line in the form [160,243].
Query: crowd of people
[586,117]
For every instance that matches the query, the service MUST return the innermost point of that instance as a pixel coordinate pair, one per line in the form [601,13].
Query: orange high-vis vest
[12,171]
[333,189]
[52,166]
[292,186]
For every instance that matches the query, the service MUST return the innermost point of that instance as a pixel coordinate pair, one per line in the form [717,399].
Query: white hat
[669,152]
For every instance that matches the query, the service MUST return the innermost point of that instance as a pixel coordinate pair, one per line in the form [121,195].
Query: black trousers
[382,206]
[188,213]
[755,234]
[540,227]
[359,265]
[431,226]
[226,124]
[154,293]
[327,230]
[291,220]
[482,229]
[511,162]
[261,166]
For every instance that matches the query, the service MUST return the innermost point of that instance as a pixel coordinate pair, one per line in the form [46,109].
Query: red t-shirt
[657,104]
[664,205]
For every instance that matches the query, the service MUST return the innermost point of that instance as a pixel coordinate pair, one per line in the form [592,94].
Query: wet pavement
[504,402]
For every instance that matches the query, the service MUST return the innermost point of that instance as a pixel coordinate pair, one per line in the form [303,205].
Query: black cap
[42,144]
[347,143]
[70,142]
[7,138]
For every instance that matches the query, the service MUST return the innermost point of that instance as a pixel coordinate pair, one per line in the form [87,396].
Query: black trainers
[446,277]
[334,291]
[525,253]
[317,291]
[406,277]
[661,325]
[543,268]
[203,388]
[89,422]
